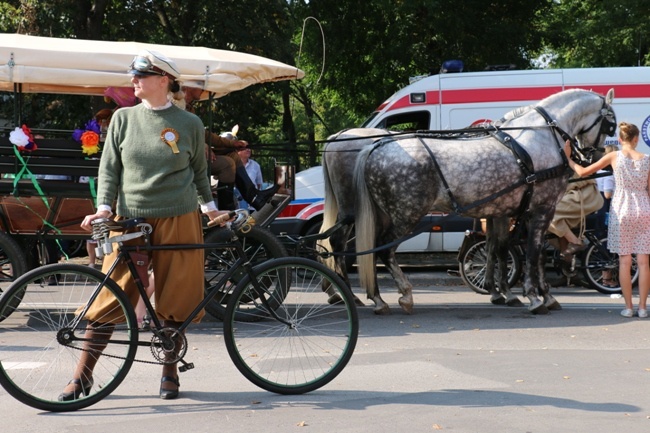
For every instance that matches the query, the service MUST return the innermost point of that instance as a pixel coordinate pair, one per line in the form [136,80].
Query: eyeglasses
[143,66]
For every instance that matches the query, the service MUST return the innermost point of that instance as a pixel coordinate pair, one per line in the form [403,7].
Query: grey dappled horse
[399,179]
[339,157]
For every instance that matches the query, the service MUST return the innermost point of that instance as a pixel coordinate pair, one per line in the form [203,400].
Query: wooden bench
[55,207]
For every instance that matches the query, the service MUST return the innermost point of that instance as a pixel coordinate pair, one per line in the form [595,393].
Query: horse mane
[511,115]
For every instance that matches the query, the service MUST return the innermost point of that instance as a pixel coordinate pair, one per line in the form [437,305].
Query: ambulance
[461,99]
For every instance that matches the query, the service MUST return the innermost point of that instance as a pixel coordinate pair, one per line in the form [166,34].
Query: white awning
[77,66]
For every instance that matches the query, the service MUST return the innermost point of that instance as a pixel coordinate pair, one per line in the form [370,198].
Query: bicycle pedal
[186,366]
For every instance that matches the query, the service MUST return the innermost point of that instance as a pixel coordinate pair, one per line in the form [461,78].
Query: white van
[458,100]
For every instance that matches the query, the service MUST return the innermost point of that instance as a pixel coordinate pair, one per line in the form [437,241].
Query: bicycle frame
[124,256]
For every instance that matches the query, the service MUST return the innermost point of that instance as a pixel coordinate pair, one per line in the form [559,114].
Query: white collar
[162,107]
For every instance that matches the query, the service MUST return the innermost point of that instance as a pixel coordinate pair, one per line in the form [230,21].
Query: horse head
[591,135]
[581,116]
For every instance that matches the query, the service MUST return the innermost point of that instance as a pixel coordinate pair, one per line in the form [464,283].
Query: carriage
[34,210]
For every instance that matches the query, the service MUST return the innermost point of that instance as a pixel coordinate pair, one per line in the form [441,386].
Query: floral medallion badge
[170,137]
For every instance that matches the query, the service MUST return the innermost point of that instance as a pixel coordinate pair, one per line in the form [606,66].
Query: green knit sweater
[141,170]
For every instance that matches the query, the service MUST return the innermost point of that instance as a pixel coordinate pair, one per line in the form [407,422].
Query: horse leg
[492,245]
[544,289]
[338,242]
[498,240]
[536,228]
[404,286]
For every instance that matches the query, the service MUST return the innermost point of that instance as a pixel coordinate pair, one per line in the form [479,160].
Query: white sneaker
[627,313]
[643,313]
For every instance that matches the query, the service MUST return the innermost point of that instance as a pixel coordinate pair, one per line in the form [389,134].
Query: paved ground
[457,364]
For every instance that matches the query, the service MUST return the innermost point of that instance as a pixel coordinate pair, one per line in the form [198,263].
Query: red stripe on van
[467,96]
[620,90]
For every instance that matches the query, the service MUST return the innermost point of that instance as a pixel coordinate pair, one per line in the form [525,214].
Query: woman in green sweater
[153,165]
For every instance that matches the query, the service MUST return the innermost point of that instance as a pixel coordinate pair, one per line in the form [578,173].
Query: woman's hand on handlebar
[223,217]
[86,224]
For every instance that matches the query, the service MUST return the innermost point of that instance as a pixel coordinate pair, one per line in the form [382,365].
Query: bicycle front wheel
[43,334]
[296,343]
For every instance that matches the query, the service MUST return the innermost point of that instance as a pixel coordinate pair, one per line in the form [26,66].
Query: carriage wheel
[13,262]
[259,244]
[472,267]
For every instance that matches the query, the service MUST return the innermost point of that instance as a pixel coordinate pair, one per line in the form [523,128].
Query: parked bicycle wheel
[259,244]
[303,343]
[598,259]
[42,336]
[472,266]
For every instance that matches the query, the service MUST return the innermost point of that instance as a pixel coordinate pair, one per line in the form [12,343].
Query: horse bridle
[607,120]
[585,153]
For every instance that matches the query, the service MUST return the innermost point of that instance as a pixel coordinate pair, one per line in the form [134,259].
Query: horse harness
[529,176]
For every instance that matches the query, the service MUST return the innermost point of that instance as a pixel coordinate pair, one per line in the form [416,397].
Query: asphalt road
[457,364]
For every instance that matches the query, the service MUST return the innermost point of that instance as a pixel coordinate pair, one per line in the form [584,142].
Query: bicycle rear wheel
[258,243]
[472,267]
[41,336]
[597,259]
[308,344]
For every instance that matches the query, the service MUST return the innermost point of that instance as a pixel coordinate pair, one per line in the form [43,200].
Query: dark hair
[627,131]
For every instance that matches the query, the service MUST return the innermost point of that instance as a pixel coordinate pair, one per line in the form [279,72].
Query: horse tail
[365,225]
[330,213]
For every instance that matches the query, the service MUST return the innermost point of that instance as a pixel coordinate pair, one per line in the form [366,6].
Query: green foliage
[371,48]
[587,33]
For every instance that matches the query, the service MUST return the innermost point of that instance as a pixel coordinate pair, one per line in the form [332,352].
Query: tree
[373,47]
[587,33]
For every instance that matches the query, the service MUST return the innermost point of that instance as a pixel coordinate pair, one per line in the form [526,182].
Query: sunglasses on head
[143,66]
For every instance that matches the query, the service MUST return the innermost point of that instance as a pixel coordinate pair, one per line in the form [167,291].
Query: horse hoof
[553,304]
[406,305]
[514,302]
[334,299]
[539,309]
[500,300]
[382,310]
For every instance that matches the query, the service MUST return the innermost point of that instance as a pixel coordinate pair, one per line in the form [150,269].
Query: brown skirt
[179,275]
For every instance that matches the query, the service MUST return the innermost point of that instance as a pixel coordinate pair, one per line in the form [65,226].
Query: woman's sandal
[80,388]
[169,394]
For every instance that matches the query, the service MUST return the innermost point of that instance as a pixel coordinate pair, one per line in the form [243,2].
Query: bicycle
[593,261]
[279,329]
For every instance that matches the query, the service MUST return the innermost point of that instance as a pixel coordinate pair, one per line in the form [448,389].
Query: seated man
[226,165]
[580,199]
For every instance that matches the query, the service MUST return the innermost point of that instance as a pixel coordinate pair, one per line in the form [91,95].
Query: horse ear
[610,96]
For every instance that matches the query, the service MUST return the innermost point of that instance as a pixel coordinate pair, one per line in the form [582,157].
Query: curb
[417,278]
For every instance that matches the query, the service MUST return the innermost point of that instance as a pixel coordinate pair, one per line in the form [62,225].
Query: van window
[411,121]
